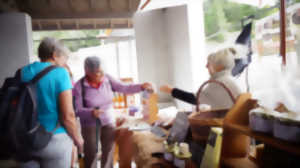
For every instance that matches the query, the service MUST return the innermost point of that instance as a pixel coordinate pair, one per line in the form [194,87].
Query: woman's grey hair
[224,57]
[92,63]
[50,45]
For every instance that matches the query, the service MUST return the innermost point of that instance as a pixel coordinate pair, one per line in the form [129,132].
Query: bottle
[121,101]
[145,104]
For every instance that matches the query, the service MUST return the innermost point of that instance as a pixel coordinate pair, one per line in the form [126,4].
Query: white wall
[170,48]
[152,50]
[176,24]
[15,43]
[197,43]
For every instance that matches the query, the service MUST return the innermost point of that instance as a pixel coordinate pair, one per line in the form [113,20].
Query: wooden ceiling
[75,14]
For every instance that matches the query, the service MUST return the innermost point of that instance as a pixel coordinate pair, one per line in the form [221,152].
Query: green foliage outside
[223,16]
[215,20]
[73,45]
[296,1]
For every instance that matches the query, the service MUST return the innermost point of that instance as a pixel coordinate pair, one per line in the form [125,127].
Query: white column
[152,49]
[179,50]
[15,43]
[197,42]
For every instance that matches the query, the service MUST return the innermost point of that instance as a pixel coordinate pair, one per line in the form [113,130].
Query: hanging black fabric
[243,39]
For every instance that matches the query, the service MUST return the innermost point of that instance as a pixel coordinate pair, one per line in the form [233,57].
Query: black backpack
[20,130]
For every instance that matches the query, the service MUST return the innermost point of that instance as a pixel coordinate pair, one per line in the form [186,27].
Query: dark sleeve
[184,96]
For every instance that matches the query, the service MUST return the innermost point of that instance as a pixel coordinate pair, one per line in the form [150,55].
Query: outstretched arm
[179,94]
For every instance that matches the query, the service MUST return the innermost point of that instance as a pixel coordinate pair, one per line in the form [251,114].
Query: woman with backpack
[94,102]
[54,106]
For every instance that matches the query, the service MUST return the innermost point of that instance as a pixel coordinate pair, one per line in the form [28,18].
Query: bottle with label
[146,103]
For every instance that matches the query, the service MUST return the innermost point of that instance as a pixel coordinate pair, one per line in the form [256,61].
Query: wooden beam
[99,38]
[110,5]
[103,26]
[92,4]
[145,4]
[129,5]
[86,15]
[30,3]
[107,24]
[282,32]
[49,2]
[25,6]
[71,5]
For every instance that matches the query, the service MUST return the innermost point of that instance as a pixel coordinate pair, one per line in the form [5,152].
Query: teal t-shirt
[48,89]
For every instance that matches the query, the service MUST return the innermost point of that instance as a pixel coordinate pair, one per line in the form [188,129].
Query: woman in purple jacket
[97,103]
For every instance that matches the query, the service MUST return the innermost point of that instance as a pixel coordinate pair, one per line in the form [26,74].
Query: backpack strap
[42,73]
[111,85]
[31,87]
[34,81]
[18,74]
[82,91]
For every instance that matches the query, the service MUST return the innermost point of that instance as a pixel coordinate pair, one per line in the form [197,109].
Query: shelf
[267,139]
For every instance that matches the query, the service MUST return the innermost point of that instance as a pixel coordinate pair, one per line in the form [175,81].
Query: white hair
[92,63]
[224,57]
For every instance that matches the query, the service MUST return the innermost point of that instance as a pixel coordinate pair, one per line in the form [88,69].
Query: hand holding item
[166,89]
[147,86]
[96,113]
[79,144]
[120,121]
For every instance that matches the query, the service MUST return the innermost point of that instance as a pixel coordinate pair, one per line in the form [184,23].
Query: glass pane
[224,21]
[293,31]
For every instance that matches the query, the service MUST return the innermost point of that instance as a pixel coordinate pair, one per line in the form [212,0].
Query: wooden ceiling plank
[49,2]
[89,15]
[71,5]
[145,4]
[129,5]
[110,4]
[92,4]
[92,38]
[73,27]
[30,3]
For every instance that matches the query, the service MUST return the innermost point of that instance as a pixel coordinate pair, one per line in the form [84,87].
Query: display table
[138,146]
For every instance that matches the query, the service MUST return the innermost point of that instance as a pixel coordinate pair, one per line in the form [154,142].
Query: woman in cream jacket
[219,65]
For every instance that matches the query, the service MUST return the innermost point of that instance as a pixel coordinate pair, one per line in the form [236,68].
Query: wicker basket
[201,123]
